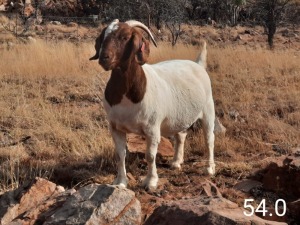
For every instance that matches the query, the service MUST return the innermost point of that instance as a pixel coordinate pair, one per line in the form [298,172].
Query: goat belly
[170,127]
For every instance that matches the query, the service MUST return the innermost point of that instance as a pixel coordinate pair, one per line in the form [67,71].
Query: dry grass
[60,59]
[52,93]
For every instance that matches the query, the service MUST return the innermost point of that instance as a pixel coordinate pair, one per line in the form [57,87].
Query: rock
[279,176]
[99,204]
[234,114]
[28,201]
[219,128]
[39,28]
[210,189]
[10,45]
[149,203]
[294,208]
[279,150]
[203,210]
[272,215]
[2,8]
[137,144]
[247,185]
[288,33]
[243,37]
[248,32]
[296,152]
[55,22]
[239,37]
[43,202]
[31,40]
[72,24]
[28,10]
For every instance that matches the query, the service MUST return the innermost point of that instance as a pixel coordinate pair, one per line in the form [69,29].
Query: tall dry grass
[51,93]
[47,59]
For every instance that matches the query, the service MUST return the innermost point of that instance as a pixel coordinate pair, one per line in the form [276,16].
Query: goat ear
[98,44]
[142,50]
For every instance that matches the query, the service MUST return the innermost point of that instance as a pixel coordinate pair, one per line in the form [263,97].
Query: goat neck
[129,81]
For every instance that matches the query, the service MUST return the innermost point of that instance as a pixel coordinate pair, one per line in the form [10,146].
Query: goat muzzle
[105,60]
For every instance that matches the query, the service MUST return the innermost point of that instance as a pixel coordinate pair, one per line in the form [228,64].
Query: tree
[236,7]
[271,13]
[293,13]
[172,13]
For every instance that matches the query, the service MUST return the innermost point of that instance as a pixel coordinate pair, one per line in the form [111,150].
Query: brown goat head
[121,43]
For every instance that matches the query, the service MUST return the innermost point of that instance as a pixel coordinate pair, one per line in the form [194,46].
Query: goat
[152,100]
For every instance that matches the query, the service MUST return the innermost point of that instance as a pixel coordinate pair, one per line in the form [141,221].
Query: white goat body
[177,93]
[171,97]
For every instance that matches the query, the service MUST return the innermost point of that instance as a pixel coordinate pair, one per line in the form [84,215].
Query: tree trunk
[271,24]
[271,33]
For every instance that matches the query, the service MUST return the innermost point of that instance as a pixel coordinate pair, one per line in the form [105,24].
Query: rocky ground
[182,197]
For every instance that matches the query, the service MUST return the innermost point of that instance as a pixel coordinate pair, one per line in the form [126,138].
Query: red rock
[29,201]
[43,202]
[210,189]
[294,208]
[246,185]
[280,176]
[203,210]
[272,216]
[149,203]
[296,152]
[137,144]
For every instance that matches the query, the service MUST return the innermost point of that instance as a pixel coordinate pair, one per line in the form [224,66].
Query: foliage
[270,13]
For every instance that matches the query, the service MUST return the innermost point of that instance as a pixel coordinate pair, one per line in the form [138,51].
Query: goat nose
[105,57]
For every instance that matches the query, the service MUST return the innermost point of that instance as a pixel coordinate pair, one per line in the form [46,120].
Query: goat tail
[201,59]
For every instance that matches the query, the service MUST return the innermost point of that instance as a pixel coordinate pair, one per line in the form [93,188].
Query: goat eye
[124,38]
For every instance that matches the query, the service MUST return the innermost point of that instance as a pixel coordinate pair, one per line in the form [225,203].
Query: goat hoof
[120,183]
[150,189]
[150,184]
[176,165]
[211,170]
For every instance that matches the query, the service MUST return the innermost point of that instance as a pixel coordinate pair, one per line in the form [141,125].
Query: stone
[234,115]
[203,210]
[296,152]
[72,24]
[279,176]
[247,185]
[39,28]
[294,208]
[31,40]
[55,22]
[43,202]
[210,189]
[99,204]
[28,201]
[219,128]
[239,37]
[272,215]
[2,8]
[137,144]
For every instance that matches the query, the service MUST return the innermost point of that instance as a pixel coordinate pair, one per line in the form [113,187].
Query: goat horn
[134,23]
